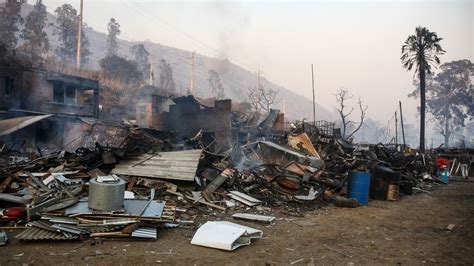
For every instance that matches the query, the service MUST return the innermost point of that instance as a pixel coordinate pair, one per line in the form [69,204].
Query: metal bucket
[106,196]
[358,186]
[393,192]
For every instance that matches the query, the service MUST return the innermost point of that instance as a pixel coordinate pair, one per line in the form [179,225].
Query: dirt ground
[410,231]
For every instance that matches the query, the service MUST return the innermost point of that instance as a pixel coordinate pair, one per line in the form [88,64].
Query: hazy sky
[352,44]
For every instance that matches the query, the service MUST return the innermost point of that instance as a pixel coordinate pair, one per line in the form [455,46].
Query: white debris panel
[225,235]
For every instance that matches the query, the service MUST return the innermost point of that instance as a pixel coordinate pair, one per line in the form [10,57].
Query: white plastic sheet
[225,235]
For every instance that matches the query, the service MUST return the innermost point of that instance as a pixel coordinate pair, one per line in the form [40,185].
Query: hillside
[235,79]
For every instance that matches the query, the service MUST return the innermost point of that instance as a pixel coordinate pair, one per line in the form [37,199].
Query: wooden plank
[131,183]
[202,201]
[5,184]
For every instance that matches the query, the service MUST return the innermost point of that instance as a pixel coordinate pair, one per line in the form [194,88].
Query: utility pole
[79,33]
[258,78]
[314,104]
[191,82]
[401,122]
[283,107]
[396,128]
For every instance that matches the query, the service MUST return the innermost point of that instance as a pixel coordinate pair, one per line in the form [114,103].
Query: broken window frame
[8,85]
[64,93]
[70,98]
[58,92]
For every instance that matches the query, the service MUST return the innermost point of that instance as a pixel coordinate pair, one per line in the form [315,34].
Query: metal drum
[358,186]
[106,196]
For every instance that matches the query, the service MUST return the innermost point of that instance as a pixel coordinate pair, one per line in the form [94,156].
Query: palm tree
[422,50]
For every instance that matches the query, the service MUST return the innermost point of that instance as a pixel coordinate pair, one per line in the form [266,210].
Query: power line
[175,29]
[182,60]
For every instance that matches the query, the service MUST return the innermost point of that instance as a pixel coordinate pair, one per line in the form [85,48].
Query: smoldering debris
[151,180]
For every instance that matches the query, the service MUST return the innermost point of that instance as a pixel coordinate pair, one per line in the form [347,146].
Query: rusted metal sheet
[302,143]
[289,183]
[279,124]
[296,168]
[178,165]
[8,126]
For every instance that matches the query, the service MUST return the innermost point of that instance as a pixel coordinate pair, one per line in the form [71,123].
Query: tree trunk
[446,131]
[343,126]
[422,109]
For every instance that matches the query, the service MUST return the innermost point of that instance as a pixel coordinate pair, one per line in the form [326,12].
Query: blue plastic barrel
[445,175]
[358,186]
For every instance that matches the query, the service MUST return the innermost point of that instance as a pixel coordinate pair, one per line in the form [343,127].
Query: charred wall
[188,117]
[48,135]
[45,92]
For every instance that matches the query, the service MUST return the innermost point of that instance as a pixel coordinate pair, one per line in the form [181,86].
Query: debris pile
[141,180]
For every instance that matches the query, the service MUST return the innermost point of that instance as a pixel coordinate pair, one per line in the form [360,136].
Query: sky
[353,44]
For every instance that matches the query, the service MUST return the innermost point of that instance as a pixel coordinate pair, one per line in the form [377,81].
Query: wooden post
[401,122]
[314,104]
[191,82]
[396,128]
[79,33]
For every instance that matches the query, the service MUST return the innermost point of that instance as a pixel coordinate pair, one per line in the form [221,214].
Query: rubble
[123,181]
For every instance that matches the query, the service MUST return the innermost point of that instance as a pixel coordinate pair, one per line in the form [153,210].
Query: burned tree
[141,56]
[114,30]
[343,96]
[166,76]
[254,98]
[261,98]
[10,19]
[36,39]
[268,98]
[215,84]
[66,29]
[118,68]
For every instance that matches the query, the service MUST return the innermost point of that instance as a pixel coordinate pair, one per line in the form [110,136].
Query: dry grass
[52,64]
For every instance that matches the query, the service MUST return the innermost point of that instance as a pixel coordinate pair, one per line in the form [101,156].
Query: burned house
[39,91]
[188,116]
[42,110]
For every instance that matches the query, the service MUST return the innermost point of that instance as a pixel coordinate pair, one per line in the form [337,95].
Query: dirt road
[411,231]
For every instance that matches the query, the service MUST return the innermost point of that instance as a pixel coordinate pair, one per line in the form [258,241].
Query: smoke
[235,21]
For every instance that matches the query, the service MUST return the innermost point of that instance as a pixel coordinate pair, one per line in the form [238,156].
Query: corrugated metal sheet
[35,233]
[145,232]
[8,126]
[43,225]
[178,165]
